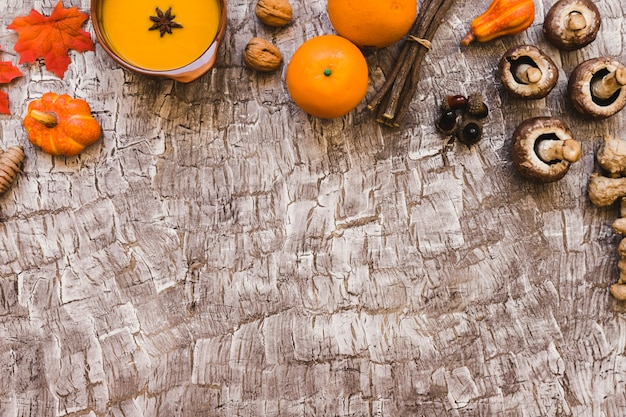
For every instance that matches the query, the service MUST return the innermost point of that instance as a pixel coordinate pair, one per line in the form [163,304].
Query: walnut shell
[274,13]
[10,165]
[261,55]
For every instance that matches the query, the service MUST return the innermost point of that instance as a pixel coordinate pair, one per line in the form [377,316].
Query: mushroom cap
[524,155]
[535,58]
[555,24]
[579,89]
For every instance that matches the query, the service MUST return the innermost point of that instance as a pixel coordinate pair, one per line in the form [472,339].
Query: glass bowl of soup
[176,39]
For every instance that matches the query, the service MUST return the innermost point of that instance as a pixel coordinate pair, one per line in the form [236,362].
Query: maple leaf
[8,71]
[51,37]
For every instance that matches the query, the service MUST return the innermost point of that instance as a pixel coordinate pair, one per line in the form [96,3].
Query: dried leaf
[51,37]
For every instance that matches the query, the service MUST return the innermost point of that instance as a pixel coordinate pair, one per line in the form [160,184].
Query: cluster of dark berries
[460,116]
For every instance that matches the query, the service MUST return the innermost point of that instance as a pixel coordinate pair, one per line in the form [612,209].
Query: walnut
[274,13]
[261,55]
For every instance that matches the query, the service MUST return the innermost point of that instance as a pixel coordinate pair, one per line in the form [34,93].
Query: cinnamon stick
[393,99]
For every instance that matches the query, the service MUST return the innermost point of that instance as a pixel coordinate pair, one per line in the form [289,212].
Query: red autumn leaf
[51,37]
[8,71]
[4,103]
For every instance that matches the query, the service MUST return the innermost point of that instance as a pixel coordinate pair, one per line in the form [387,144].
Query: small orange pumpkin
[61,125]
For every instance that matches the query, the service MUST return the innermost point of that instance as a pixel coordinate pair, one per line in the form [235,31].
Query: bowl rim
[186,73]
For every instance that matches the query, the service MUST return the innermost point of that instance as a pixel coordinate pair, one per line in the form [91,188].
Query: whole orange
[372,23]
[327,76]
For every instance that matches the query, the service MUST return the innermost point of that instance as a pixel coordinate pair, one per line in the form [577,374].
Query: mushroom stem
[609,84]
[575,21]
[604,191]
[559,150]
[528,74]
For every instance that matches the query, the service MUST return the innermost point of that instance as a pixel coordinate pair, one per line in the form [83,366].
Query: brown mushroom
[604,191]
[572,24]
[611,156]
[621,249]
[595,87]
[544,149]
[527,72]
[618,291]
[619,226]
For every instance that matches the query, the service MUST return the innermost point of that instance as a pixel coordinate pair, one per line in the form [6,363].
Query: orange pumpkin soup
[159,35]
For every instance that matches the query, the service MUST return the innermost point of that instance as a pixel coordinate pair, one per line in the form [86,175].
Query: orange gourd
[503,17]
[60,124]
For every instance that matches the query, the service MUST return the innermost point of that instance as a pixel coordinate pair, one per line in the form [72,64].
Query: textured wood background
[220,253]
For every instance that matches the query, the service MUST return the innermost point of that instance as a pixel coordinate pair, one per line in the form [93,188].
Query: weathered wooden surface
[219,253]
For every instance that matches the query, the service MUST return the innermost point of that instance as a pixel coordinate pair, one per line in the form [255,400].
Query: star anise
[164,22]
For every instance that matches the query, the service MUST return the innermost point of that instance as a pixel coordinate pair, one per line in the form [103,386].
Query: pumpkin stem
[468,38]
[47,118]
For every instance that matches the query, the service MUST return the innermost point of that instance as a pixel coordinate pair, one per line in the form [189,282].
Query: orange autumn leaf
[51,37]
[8,72]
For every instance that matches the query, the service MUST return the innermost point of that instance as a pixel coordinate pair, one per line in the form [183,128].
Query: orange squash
[60,124]
[502,17]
